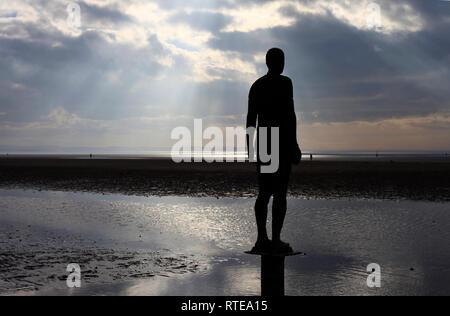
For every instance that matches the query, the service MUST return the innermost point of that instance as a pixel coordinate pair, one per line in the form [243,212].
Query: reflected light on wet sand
[194,246]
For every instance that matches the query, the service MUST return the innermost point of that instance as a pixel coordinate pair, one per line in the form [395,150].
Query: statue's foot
[281,247]
[262,246]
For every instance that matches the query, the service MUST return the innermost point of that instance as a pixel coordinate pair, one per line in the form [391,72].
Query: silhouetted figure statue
[271,104]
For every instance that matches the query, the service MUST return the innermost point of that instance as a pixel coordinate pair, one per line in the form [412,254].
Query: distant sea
[307,155]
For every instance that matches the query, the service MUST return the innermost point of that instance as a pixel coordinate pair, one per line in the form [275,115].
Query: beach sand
[129,245]
[152,227]
[161,177]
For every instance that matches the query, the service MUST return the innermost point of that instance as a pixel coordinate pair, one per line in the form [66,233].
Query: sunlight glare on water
[208,236]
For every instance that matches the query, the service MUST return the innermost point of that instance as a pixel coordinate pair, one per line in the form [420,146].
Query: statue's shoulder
[261,81]
[286,79]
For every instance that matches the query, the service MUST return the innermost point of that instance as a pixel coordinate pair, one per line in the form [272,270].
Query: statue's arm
[292,115]
[252,116]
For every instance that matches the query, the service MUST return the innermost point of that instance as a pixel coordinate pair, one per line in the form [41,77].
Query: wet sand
[129,245]
[428,181]
[130,241]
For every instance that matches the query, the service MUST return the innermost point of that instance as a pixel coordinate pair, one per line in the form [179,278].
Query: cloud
[342,73]
[86,73]
[395,16]
[61,128]
[170,61]
[95,14]
[8,15]
[411,133]
[204,4]
[204,21]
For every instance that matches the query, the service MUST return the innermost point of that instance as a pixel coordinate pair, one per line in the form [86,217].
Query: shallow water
[194,246]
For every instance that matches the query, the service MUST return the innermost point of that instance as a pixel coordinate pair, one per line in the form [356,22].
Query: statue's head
[275,61]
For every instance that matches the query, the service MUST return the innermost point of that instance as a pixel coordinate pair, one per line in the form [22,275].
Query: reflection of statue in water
[271,104]
[272,271]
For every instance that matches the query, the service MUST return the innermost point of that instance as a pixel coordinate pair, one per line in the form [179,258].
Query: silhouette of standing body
[271,104]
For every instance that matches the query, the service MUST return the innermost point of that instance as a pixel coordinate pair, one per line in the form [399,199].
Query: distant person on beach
[271,104]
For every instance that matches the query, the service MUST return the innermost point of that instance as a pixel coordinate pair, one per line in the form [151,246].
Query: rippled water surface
[194,246]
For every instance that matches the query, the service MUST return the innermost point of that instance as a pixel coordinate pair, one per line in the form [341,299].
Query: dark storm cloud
[243,42]
[8,15]
[435,13]
[204,21]
[289,11]
[342,73]
[101,14]
[91,14]
[86,75]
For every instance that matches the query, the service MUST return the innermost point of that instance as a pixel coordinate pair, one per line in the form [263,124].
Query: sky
[134,70]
